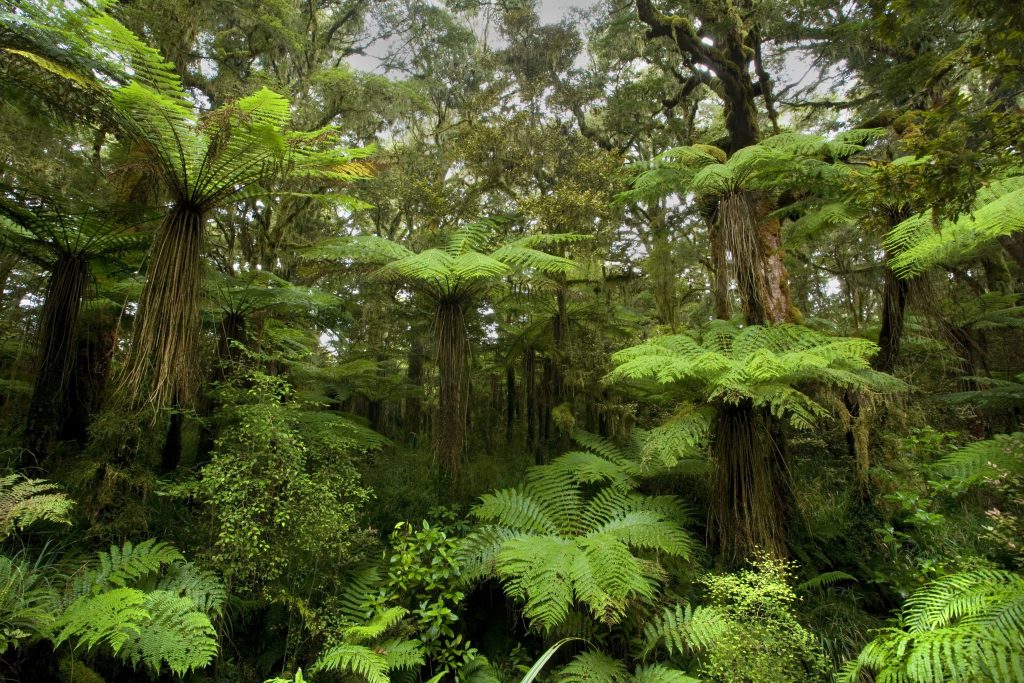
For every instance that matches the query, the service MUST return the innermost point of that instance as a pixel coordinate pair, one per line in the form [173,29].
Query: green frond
[824,580]
[683,437]
[647,529]
[376,627]
[110,618]
[918,245]
[962,627]
[478,551]
[128,562]
[474,235]
[593,667]
[758,363]
[533,259]
[683,629]
[27,604]
[988,459]
[539,571]
[353,601]
[357,659]
[403,654]
[24,502]
[516,510]
[175,633]
[658,673]
[202,587]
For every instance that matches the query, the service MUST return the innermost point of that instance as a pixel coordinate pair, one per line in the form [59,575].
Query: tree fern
[963,627]
[451,277]
[26,501]
[576,532]
[128,563]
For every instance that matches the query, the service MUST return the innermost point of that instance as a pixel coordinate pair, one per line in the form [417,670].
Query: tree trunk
[414,404]
[163,359]
[720,265]
[894,304]
[511,404]
[97,341]
[756,247]
[57,352]
[748,509]
[450,420]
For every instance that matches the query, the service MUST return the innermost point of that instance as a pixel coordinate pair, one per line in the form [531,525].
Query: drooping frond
[962,627]
[27,603]
[358,659]
[376,627]
[26,501]
[988,459]
[577,533]
[175,633]
[762,364]
[919,245]
[109,618]
[684,629]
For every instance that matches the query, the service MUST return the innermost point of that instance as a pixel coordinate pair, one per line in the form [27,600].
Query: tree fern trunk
[413,404]
[57,332]
[894,303]
[756,246]
[449,435]
[162,360]
[748,509]
[511,404]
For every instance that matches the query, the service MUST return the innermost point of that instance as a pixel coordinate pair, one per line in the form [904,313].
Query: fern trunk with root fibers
[162,360]
[57,330]
[449,434]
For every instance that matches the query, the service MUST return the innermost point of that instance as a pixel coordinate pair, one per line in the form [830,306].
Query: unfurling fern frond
[987,459]
[26,501]
[962,627]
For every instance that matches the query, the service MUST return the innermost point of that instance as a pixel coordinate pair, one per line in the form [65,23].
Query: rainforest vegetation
[651,341]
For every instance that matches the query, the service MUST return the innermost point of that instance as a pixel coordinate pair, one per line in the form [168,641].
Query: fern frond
[129,562]
[175,633]
[986,459]
[357,659]
[593,666]
[684,629]
[26,501]
[202,587]
[110,618]
[997,213]
[381,623]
